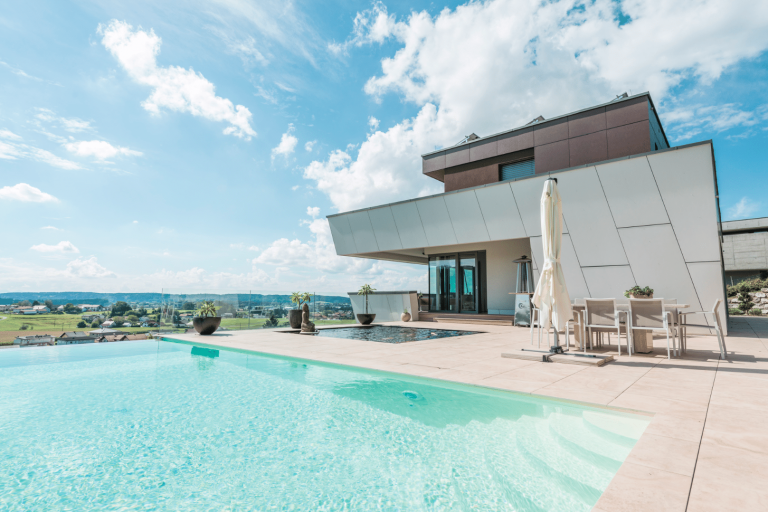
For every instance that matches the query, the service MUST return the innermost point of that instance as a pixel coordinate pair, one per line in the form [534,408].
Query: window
[517,170]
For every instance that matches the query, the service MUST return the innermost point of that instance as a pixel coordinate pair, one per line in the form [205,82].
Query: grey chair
[715,323]
[649,314]
[601,316]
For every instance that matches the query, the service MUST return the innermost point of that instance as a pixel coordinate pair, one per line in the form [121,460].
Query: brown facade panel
[438,175]
[433,163]
[485,149]
[626,112]
[456,156]
[586,122]
[631,139]
[588,149]
[471,178]
[522,139]
[552,157]
[549,132]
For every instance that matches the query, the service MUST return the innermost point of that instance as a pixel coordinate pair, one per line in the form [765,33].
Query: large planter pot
[405,317]
[294,317]
[365,318]
[633,296]
[206,325]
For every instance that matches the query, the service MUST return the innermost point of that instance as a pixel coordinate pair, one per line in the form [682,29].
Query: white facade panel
[632,193]
[574,279]
[436,221]
[500,213]
[528,198]
[466,217]
[384,228]
[590,223]
[686,181]
[609,282]
[342,235]
[409,225]
[362,231]
[657,262]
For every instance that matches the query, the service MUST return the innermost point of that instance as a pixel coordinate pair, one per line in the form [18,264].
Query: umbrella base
[546,356]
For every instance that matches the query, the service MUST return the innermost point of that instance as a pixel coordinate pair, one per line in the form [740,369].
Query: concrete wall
[745,251]
[501,273]
[387,306]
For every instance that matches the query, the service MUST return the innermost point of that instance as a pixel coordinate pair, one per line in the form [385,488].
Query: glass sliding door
[442,283]
[469,283]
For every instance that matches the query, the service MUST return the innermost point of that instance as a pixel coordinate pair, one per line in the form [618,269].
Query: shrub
[637,291]
[24,327]
[81,324]
[745,301]
[755,312]
[95,324]
[749,285]
[735,311]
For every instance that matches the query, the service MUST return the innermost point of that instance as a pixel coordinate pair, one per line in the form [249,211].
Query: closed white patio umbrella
[551,296]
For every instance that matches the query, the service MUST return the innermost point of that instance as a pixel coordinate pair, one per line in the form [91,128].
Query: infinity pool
[151,425]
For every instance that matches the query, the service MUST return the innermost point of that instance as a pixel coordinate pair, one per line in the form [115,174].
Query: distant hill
[109,298]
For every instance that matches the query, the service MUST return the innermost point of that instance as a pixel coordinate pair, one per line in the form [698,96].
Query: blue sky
[199,146]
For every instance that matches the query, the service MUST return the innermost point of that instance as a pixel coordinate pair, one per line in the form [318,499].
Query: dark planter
[365,318]
[206,325]
[294,317]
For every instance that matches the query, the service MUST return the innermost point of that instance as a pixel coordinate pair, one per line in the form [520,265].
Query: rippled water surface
[164,426]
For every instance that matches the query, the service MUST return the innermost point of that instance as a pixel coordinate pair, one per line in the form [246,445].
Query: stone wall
[759,298]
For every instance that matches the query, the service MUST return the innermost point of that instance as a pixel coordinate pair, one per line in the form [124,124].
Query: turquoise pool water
[155,425]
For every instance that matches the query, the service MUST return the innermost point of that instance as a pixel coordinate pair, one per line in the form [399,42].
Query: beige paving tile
[666,453]
[695,393]
[680,427]
[637,488]
[495,365]
[729,479]
[578,395]
[641,402]
[738,427]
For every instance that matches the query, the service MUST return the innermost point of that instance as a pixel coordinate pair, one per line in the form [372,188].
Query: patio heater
[523,291]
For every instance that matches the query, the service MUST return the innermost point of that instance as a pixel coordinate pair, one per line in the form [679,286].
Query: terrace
[704,448]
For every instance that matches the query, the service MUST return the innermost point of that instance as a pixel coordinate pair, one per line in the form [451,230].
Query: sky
[199,145]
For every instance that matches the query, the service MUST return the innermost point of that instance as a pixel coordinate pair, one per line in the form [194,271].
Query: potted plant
[206,322]
[294,315]
[406,316]
[366,318]
[639,293]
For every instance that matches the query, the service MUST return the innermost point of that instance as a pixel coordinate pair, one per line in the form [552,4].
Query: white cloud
[99,149]
[72,124]
[7,134]
[253,248]
[313,211]
[287,143]
[373,123]
[295,188]
[52,228]
[687,122]
[88,268]
[14,151]
[26,193]
[135,222]
[489,66]
[744,209]
[63,247]
[237,246]
[173,87]
[310,145]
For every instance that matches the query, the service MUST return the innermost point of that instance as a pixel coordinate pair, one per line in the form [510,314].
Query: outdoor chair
[649,315]
[715,323]
[601,316]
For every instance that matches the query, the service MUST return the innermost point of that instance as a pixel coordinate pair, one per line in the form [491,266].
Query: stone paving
[705,449]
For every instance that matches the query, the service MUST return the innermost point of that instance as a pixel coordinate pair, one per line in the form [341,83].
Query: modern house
[636,212]
[37,340]
[745,249]
[76,338]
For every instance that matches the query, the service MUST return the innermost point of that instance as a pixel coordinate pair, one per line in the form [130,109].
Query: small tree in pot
[206,322]
[294,316]
[366,318]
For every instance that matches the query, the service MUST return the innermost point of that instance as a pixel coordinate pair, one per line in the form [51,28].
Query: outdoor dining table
[642,338]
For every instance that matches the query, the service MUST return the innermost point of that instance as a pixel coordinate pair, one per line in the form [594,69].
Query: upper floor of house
[628,125]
